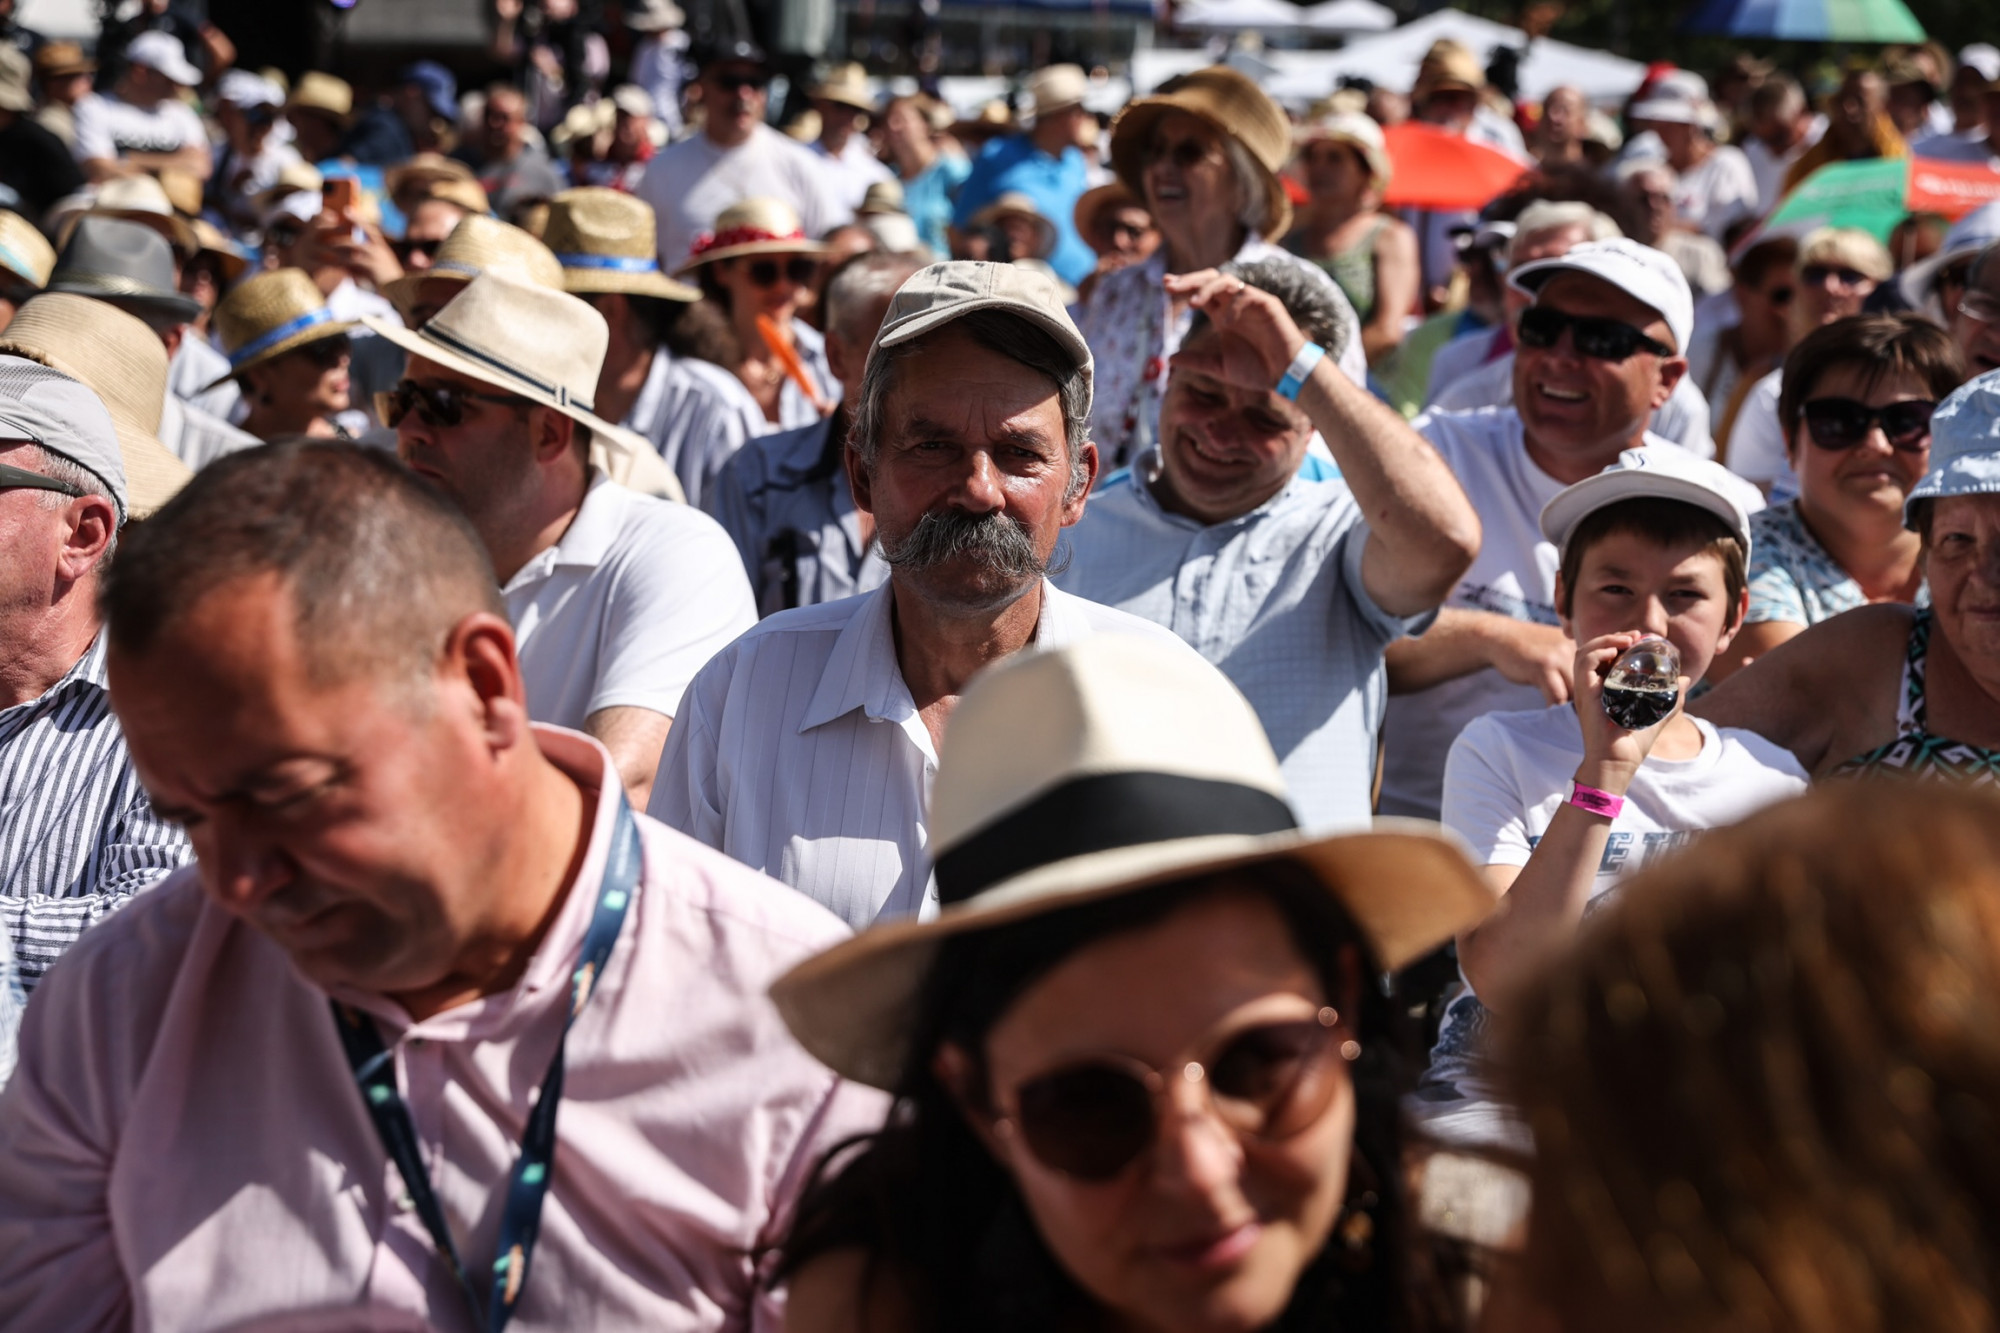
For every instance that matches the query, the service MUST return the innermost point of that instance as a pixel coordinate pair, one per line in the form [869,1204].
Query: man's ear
[93,521]
[479,651]
[554,435]
[858,479]
[1087,463]
[1671,370]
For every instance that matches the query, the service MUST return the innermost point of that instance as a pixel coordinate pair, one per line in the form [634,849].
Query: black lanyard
[375,1071]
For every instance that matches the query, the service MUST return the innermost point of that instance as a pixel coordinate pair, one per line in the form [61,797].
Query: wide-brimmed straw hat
[270,315]
[1448,64]
[1234,105]
[758,226]
[1105,768]
[1358,131]
[605,241]
[1093,204]
[125,364]
[435,176]
[323,93]
[58,60]
[846,85]
[479,244]
[24,252]
[1017,205]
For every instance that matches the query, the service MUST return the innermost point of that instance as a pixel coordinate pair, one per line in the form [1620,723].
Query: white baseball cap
[241,88]
[1679,97]
[1641,272]
[162,51]
[1650,472]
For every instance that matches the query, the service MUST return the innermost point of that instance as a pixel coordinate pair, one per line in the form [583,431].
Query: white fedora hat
[1106,768]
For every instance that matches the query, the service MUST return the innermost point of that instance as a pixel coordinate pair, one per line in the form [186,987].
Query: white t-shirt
[628,604]
[1769,168]
[1507,776]
[853,171]
[691,182]
[108,127]
[1514,575]
[1683,418]
[1716,191]
[1757,440]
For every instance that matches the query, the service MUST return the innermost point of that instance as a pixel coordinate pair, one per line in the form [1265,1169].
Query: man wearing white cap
[806,749]
[1045,163]
[142,124]
[78,836]
[253,153]
[1717,187]
[1598,352]
[617,598]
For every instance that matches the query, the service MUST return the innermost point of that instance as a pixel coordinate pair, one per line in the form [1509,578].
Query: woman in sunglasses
[1856,407]
[1146,1074]
[759,266]
[289,355]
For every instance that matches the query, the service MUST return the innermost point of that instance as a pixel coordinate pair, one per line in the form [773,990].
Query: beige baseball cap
[935,296]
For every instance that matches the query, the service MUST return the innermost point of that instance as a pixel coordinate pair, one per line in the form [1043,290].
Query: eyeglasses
[765,272]
[20,479]
[284,234]
[434,404]
[736,83]
[1955,275]
[1186,154]
[1815,275]
[1600,339]
[1094,1119]
[1982,306]
[1842,423]
[428,249]
[326,353]
[1130,230]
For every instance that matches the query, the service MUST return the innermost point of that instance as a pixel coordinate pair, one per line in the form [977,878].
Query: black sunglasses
[1094,1119]
[764,272]
[20,479]
[1186,154]
[736,83]
[428,249]
[1842,423]
[434,404]
[326,353]
[1600,339]
[1815,275]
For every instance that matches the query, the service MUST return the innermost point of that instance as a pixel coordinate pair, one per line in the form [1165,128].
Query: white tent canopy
[1391,60]
[1350,16]
[1239,15]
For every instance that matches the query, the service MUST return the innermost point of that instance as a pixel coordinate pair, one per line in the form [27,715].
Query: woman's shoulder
[848,1290]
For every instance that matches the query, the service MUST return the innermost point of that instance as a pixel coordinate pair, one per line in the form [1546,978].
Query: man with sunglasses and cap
[78,836]
[1598,352]
[617,598]
[736,156]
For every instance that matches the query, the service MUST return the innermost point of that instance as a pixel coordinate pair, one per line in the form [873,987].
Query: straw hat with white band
[846,85]
[1233,105]
[125,364]
[24,252]
[759,226]
[270,315]
[476,245]
[1101,769]
[605,241]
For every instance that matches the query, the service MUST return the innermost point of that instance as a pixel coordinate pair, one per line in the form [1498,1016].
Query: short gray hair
[59,467]
[1253,203]
[1547,215]
[864,282]
[997,331]
[1311,299]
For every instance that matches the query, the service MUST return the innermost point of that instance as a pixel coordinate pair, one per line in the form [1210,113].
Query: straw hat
[605,242]
[322,93]
[59,60]
[213,242]
[752,227]
[434,176]
[1448,64]
[1093,204]
[270,315]
[125,364]
[140,199]
[1106,768]
[479,243]
[1058,87]
[1015,204]
[882,197]
[23,251]
[847,85]
[1231,103]
[1360,131]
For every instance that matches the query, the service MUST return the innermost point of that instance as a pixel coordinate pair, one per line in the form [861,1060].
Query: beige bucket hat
[1105,768]
[124,363]
[270,315]
[605,241]
[757,226]
[479,243]
[1234,105]
[1357,131]
[434,176]
[24,252]
[846,84]
[140,199]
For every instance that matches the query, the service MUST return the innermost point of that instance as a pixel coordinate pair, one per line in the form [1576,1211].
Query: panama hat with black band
[1101,769]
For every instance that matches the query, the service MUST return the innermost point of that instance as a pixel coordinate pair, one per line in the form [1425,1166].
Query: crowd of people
[625,706]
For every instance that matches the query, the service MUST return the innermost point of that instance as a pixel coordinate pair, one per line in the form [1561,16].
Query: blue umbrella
[1808,20]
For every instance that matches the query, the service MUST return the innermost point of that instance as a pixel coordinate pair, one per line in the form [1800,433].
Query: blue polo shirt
[1054,183]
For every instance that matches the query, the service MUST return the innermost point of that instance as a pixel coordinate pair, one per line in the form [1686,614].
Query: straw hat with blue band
[606,242]
[272,314]
[1965,446]
[1106,768]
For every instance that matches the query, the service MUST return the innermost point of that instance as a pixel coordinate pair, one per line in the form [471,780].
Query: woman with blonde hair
[1370,254]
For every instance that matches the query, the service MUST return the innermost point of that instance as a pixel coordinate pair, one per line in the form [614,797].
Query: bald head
[380,566]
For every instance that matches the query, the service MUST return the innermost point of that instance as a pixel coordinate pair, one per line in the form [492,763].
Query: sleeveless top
[1915,750]
[1352,269]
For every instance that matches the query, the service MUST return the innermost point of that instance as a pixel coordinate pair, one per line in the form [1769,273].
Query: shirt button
[405,1202]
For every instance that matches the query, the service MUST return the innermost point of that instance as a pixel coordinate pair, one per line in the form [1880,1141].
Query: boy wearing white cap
[1561,803]
[143,125]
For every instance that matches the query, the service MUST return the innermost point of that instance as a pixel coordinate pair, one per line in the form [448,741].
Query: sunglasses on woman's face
[1815,275]
[1093,1120]
[1187,154]
[428,249]
[284,235]
[800,272]
[434,404]
[1599,339]
[1842,423]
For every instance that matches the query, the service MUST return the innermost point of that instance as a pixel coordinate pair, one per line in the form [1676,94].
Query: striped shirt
[78,836]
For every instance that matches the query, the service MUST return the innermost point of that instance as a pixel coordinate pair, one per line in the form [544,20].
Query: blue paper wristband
[1301,367]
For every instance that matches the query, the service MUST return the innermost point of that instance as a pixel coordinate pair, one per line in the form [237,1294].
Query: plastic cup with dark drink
[1644,684]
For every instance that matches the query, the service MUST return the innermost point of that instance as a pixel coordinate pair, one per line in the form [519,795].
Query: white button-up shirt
[625,607]
[800,752]
[1274,599]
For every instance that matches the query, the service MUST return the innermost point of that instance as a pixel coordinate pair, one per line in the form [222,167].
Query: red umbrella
[1440,170]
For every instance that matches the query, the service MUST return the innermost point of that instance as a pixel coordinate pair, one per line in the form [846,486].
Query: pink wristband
[1593,801]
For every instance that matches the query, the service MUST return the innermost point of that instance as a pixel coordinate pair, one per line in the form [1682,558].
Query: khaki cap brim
[1408,885]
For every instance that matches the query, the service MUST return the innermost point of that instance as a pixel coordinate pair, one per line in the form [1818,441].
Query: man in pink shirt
[404,887]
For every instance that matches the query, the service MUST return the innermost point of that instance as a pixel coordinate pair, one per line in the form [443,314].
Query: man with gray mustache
[806,748]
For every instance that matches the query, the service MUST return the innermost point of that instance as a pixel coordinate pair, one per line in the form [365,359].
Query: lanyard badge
[375,1072]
